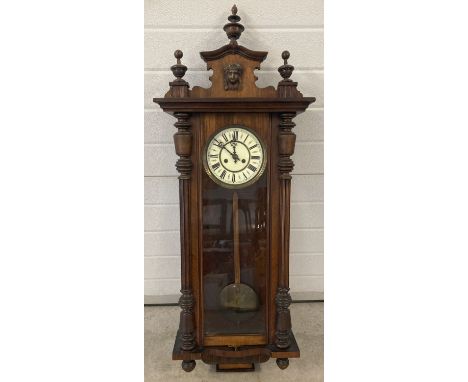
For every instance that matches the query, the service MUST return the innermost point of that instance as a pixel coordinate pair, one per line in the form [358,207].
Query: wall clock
[234,143]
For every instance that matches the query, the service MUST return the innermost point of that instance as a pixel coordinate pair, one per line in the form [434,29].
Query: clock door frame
[210,123]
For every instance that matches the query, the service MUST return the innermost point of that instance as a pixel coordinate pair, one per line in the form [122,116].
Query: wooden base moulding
[244,355]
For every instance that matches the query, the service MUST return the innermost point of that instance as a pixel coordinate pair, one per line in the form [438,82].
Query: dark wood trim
[286,143]
[196,354]
[233,49]
[183,147]
[229,105]
[239,340]
[250,355]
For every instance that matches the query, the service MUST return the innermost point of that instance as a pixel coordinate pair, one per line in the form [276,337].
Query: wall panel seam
[304,69]
[252,29]
[161,231]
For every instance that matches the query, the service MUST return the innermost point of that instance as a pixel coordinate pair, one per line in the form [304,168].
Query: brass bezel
[228,185]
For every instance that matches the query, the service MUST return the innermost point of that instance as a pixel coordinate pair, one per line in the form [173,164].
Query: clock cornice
[230,105]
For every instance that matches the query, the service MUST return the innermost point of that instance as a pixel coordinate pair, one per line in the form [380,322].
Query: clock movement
[234,143]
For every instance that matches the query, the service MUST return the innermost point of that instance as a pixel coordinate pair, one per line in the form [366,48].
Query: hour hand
[234,155]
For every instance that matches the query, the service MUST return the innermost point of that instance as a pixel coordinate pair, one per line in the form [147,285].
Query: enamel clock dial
[235,157]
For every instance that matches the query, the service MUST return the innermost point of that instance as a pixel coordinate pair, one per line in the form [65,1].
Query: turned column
[183,146]
[286,142]
[179,88]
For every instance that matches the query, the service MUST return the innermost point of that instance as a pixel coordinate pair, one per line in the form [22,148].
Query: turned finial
[285,70]
[233,29]
[178,69]
[178,54]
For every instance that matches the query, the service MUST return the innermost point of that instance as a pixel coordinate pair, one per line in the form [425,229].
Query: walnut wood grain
[233,340]
[286,142]
[248,87]
[252,355]
[183,146]
[233,49]
[234,105]
[201,112]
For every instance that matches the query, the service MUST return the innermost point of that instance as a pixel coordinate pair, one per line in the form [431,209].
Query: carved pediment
[233,69]
[233,49]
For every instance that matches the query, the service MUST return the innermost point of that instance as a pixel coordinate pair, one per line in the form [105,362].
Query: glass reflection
[228,302]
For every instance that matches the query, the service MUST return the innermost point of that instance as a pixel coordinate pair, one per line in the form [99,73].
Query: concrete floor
[161,324]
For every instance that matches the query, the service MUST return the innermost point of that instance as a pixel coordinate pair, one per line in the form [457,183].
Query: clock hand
[234,155]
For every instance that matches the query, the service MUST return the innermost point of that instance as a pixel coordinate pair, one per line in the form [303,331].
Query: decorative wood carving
[179,87]
[287,88]
[234,99]
[286,143]
[252,355]
[232,76]
[282,363]
[183,147]
[233,54]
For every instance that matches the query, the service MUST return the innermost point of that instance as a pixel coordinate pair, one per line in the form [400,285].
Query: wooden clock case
[233,99]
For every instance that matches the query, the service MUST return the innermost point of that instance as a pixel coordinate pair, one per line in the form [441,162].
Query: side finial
[233,29]
[178,69]
[178,54]
[285,70]
[179,87]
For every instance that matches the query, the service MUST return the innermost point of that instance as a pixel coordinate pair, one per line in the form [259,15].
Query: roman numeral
[255,157]
[235,136]
[218,143]
[213,155]
[215,166]
[252,168]
[246,138]
[233,178]
[252,147]
[225,137]
[223,174]
[245,176]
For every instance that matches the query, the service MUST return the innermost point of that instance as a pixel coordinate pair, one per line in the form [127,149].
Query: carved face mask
[233,76]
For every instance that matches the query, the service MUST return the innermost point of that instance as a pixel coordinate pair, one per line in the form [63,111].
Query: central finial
[233,29]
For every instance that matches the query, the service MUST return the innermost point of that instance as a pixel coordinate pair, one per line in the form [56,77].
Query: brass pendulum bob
[238,297]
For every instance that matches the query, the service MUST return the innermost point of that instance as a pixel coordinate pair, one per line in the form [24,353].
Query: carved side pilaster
[183,147]
[286,143]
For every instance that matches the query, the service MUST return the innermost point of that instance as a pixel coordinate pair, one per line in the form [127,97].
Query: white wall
[194,26]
